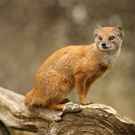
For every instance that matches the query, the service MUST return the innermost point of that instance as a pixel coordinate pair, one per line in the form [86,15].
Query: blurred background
[30,30]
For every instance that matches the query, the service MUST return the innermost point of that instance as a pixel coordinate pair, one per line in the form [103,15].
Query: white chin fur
[111,58]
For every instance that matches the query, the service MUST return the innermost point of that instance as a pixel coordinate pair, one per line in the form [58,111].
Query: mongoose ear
[97,28]
[121,32]
[120,28]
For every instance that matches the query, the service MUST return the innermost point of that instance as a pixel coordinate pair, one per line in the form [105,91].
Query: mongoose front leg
[82,87]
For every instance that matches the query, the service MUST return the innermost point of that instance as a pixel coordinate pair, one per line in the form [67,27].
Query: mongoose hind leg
[65,107]
[34,99]
[57,104]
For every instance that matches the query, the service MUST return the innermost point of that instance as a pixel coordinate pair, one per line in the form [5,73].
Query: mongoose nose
[104,45]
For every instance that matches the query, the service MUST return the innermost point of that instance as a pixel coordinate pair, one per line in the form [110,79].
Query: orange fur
[69,67]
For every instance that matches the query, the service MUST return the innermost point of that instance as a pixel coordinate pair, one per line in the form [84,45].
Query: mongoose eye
[111,38]
[100,38]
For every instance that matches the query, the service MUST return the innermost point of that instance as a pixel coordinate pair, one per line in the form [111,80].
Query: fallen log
[93,119]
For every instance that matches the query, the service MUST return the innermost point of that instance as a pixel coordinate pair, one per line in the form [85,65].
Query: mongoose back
[74,67]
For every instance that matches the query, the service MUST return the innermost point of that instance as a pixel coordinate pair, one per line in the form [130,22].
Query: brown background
[31,29]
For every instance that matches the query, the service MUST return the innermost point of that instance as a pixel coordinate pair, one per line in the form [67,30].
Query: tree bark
[93,119]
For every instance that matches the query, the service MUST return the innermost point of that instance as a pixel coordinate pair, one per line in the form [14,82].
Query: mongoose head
[108,39]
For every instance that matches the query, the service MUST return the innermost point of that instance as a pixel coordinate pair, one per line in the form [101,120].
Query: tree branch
[92,119]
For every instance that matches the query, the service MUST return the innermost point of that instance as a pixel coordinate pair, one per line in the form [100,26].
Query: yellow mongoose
[74,67]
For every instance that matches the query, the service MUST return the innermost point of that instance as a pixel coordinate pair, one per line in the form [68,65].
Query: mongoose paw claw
[71,107]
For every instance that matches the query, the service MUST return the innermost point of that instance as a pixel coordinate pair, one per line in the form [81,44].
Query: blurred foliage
[32,29]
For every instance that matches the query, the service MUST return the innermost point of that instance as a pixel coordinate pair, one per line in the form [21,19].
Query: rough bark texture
[94,119]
